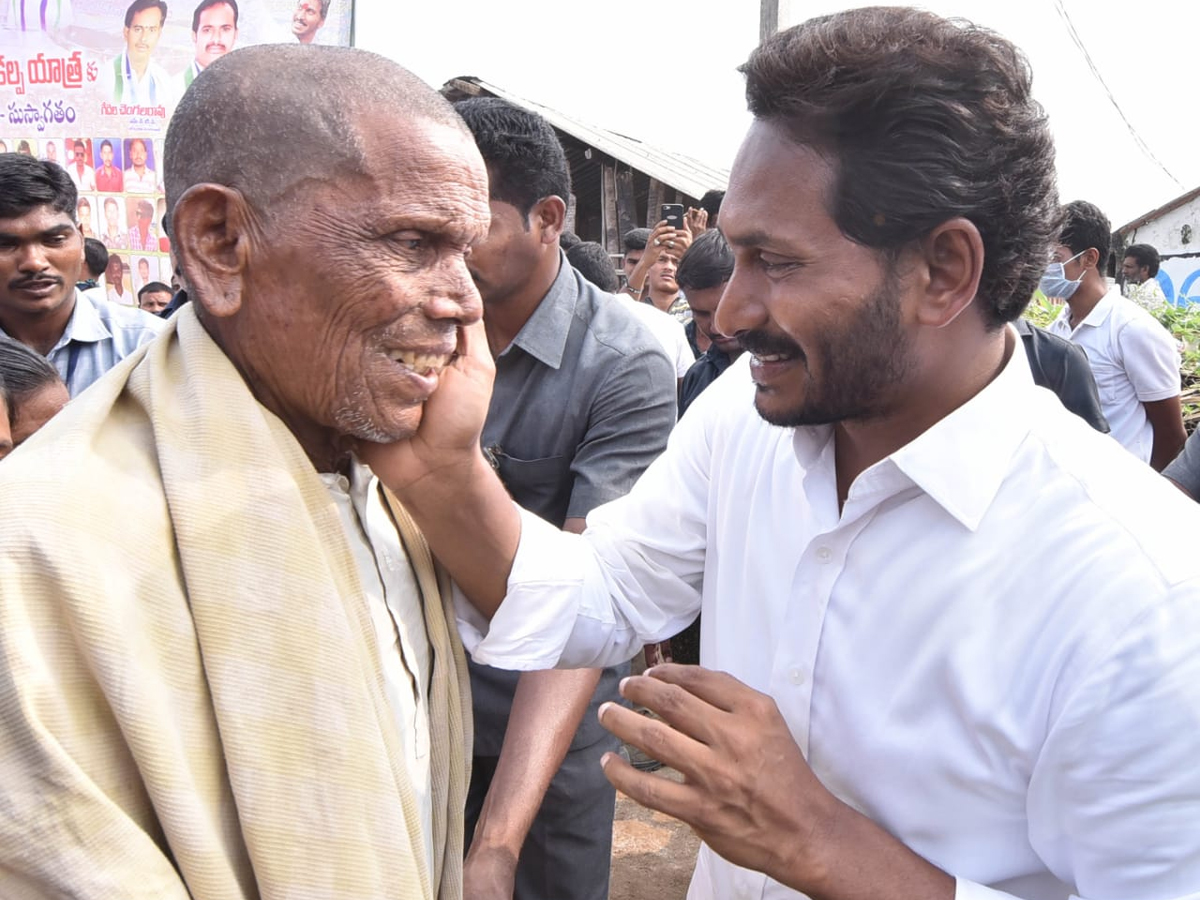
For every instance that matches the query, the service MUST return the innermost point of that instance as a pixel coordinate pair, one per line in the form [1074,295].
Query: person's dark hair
[23,372]
[568,239]
[1085,226]
[325,8]
[636,238]
[30,182]
[525,160]
[23,147]
[95,256]
[138,6]
[324,127]
[106,143]
[707,263]
[711,204]
[153,287]
[592,262]
[923,119]
[209,4]
[145,208]
[1144,255]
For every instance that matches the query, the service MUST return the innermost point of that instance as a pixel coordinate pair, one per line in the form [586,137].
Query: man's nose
[455,295]
[33,257]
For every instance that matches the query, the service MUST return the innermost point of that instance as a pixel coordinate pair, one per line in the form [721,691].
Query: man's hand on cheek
[448,438]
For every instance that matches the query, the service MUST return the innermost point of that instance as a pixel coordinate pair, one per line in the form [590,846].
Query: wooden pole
[768,18]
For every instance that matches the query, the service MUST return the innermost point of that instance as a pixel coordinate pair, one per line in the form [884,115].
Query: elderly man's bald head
[264,119]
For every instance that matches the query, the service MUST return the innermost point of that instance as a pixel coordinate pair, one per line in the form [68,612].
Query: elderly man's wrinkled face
[369,288]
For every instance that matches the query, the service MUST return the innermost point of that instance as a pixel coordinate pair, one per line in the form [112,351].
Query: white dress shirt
[146,183]
[399,619]
[1134,359]
[992,650]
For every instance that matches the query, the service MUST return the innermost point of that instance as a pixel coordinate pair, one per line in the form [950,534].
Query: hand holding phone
[672,214]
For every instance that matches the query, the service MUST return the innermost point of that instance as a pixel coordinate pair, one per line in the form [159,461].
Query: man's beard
[862,359]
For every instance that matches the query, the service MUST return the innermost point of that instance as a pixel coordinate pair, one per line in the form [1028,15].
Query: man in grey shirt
[583,401]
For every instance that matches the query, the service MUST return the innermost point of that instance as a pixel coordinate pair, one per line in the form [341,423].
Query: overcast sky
[666,73]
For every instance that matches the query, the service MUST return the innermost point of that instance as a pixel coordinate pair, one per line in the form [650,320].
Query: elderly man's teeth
[770,357]
[421,362]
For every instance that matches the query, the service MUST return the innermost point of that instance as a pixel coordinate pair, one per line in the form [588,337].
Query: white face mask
[1055,283]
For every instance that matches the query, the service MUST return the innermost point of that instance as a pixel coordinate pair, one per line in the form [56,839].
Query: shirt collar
[85,324]
[961,461]
[1097,316]
[544,334]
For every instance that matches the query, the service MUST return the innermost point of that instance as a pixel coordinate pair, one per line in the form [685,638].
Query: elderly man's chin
[379,428]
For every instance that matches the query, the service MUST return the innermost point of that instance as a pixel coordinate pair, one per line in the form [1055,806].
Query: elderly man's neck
[325,447]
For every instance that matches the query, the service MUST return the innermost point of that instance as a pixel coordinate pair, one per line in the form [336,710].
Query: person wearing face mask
[1135,360]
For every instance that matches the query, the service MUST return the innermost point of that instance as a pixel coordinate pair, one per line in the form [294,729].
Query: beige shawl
[191,703]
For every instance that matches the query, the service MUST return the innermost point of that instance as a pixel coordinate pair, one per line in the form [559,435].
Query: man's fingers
[473,346]
[652,791]
[681,713]
[717,689]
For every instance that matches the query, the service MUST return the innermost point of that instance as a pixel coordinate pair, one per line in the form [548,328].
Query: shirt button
[796,676]
[824,554]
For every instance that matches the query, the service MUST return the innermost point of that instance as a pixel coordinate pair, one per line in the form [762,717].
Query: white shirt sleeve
[1151,356]
[633,577]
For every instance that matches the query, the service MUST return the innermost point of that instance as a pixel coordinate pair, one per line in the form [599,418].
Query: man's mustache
[765,343]
[21,283]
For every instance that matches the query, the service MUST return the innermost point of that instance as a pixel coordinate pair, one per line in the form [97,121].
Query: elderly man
[915,699]
[228,668]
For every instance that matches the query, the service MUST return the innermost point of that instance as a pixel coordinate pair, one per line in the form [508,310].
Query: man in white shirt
[133,78]
[83,176]
[956,627]
[1140,268]
[1135,360]
[139,177]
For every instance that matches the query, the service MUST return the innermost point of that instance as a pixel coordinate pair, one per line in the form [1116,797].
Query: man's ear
[212,224]
[549,216]
[951,264]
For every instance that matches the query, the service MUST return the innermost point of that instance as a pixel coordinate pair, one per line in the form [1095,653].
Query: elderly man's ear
[211,224]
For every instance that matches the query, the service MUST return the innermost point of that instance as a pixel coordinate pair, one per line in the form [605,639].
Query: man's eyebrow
[44,233]
[754,238]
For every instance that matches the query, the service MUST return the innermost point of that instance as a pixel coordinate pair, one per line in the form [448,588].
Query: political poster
[92,85]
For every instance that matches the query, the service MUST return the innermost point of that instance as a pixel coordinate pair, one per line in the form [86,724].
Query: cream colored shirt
[399,619]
